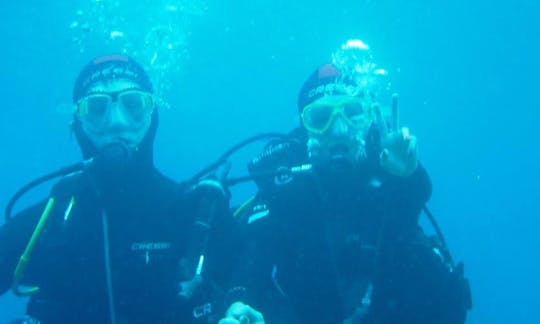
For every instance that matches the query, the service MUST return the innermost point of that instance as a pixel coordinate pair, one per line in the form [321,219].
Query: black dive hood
[118,154]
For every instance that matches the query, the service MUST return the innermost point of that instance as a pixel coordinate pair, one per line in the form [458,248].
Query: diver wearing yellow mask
[337,240]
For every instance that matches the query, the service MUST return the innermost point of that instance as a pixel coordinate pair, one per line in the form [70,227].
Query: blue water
[466,72]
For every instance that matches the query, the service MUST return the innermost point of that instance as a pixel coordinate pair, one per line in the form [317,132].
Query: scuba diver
[117,241]
[332,234]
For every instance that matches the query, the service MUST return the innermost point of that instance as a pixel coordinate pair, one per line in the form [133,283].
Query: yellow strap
[245,205]
[25,257]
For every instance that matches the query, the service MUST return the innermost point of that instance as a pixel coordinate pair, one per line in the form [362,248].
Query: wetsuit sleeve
[14,236]
[407,196]
[254,279]
[214,233]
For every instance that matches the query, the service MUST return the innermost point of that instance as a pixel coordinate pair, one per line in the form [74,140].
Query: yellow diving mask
[136,105]
[318,116]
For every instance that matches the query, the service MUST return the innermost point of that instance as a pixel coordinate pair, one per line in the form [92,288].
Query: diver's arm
[254,292]
[406,180]
[14,236]
[416,189]
[404,198]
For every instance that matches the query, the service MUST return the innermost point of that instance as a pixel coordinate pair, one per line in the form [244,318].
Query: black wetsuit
[127,246]
[344,245]
[147,228]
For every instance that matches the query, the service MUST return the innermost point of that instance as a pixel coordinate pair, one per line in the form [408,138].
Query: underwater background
[466,71]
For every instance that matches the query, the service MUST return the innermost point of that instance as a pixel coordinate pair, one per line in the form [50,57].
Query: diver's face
[337,127]
[115,111]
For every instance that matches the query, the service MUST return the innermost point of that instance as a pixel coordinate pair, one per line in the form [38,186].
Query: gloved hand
[399,151]
[240,313]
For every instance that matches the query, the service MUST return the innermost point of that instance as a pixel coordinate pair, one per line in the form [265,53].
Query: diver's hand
[240,313]
[399,151]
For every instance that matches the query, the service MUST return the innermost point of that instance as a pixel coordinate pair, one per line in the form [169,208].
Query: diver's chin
[335,158]
[341,158]
[340,152]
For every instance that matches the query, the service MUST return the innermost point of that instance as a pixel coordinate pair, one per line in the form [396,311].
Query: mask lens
[358,114]
[354,112]
[137,104]
[352,109]
[316,117]
[93,108]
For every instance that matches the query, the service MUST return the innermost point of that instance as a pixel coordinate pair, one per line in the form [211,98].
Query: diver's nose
[339,127]
[117,118]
